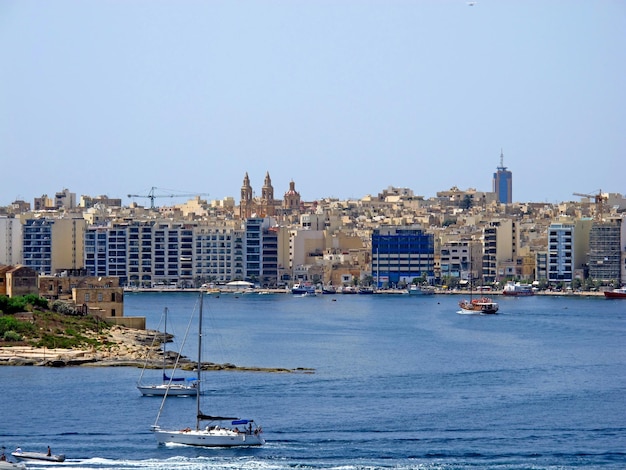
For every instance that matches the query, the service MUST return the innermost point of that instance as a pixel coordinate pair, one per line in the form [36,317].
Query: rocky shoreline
[128,348]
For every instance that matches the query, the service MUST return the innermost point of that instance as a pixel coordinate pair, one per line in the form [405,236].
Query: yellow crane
[599,199]
[152,195]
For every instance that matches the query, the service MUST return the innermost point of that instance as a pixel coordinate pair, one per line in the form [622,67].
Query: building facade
[401,254]
[605,253]
[499,249]
[10,240]
[568,244]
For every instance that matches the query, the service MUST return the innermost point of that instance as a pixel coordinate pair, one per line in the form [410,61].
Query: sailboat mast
[199,367]
[164,342]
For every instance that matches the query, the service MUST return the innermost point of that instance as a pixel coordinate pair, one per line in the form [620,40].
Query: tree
[467,202]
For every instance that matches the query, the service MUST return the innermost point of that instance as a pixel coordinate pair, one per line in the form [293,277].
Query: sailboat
[175,386]
[479,306]
[221,431]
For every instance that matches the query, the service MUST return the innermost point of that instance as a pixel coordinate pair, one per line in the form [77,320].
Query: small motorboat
[4,465]
[40,456]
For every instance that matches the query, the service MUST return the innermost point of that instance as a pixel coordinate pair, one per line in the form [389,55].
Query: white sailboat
[221,431]
[178,386]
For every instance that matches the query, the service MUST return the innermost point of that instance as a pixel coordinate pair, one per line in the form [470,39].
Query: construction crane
[152,195]
[599,200]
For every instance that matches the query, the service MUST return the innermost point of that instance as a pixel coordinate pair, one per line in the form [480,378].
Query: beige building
[10,241]
[499,248]
[68,241]
[99,296]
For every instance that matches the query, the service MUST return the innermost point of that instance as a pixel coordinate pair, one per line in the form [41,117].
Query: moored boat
[421,290]
[173,386]
[515,289]
[615,293]
[328,290]
[303,288]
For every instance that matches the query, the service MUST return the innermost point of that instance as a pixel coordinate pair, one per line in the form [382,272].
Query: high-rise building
[499,248]
[605,250]
[568,246]
[503,183]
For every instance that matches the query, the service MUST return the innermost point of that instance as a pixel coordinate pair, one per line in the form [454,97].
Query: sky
[343,97]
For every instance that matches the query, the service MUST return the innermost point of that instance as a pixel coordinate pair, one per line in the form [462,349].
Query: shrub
[9,323]
[11,335]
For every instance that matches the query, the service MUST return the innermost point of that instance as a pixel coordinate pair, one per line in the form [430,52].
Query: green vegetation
[24,303]
[39,327]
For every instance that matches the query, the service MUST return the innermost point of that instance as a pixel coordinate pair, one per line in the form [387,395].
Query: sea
[377,382]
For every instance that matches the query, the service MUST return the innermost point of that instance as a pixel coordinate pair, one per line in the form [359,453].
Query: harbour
[392,382]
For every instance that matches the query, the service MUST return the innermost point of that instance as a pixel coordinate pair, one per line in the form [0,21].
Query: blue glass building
[503,183]
[399,255]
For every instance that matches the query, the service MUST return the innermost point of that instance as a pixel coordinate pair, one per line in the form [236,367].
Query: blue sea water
[398,382]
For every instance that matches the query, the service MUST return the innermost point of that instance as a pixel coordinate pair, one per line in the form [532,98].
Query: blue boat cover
[173,379]
[240,421]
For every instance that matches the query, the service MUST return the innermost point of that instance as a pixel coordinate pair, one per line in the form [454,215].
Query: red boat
[615,293]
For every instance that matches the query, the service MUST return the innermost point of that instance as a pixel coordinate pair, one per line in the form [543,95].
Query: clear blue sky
[345,97]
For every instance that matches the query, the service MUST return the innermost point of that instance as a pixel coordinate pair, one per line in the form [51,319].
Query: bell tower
[267,196]
[245,204]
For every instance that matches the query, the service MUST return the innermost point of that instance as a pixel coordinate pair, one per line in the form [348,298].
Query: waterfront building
[499,249]
[568,245]
[460,259]
[218,253]
[261,251]
[503,183]
[401,254]
[605,253]
[541,265]
[51,244]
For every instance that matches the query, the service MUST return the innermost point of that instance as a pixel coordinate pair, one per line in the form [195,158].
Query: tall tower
[503,183]
[267,196]
[245,204]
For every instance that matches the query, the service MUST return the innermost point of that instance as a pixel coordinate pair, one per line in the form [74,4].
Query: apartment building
[605,253]
[499,249]
[10,240]
[261,251]
[401,254]
[218,253]
[568,244]
[460,259]
[50,245]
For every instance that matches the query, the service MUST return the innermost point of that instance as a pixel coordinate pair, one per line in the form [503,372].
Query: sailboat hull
[209,438]
[170,390]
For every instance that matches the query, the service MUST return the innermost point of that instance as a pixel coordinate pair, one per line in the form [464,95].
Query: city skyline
[345,99]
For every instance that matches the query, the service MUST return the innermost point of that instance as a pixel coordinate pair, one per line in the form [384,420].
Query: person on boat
[18,450]
[49,452]
[3,457]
